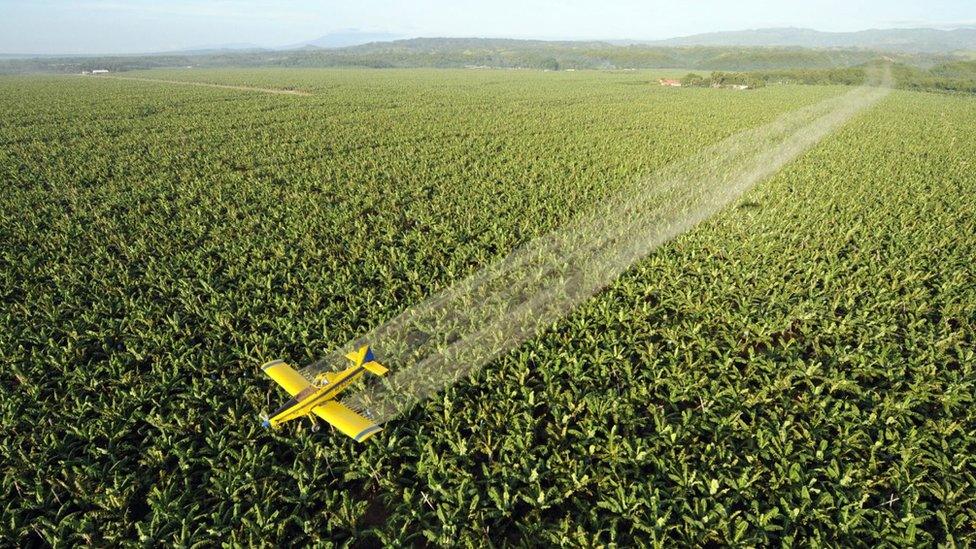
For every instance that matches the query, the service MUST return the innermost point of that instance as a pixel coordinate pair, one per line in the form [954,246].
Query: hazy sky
[116,26]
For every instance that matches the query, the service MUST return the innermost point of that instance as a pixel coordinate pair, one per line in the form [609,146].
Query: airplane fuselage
[303,403]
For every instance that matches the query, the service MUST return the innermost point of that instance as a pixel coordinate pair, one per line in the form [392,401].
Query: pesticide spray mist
[459,330]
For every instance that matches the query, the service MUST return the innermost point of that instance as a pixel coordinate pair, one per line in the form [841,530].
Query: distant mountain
[499,53]
[553,55]
[346,38]
[897,40]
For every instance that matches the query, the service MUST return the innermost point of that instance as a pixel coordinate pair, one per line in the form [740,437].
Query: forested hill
[497,53]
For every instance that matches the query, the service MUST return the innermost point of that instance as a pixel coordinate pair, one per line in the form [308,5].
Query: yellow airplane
[319,396]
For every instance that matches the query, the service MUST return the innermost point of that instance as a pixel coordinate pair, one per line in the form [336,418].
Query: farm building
[99,71]
[670,82]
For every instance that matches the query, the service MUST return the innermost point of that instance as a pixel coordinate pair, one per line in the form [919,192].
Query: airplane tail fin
[364,356]
[369,362]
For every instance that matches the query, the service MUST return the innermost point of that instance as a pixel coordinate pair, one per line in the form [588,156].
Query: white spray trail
[457,331]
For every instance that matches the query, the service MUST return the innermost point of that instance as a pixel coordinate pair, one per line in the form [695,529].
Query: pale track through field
[455,332]
[276,91]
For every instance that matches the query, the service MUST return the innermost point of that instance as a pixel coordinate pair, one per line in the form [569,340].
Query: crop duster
[318,397]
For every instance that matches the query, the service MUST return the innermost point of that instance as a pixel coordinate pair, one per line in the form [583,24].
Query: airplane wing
[286,376]
[347,421]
